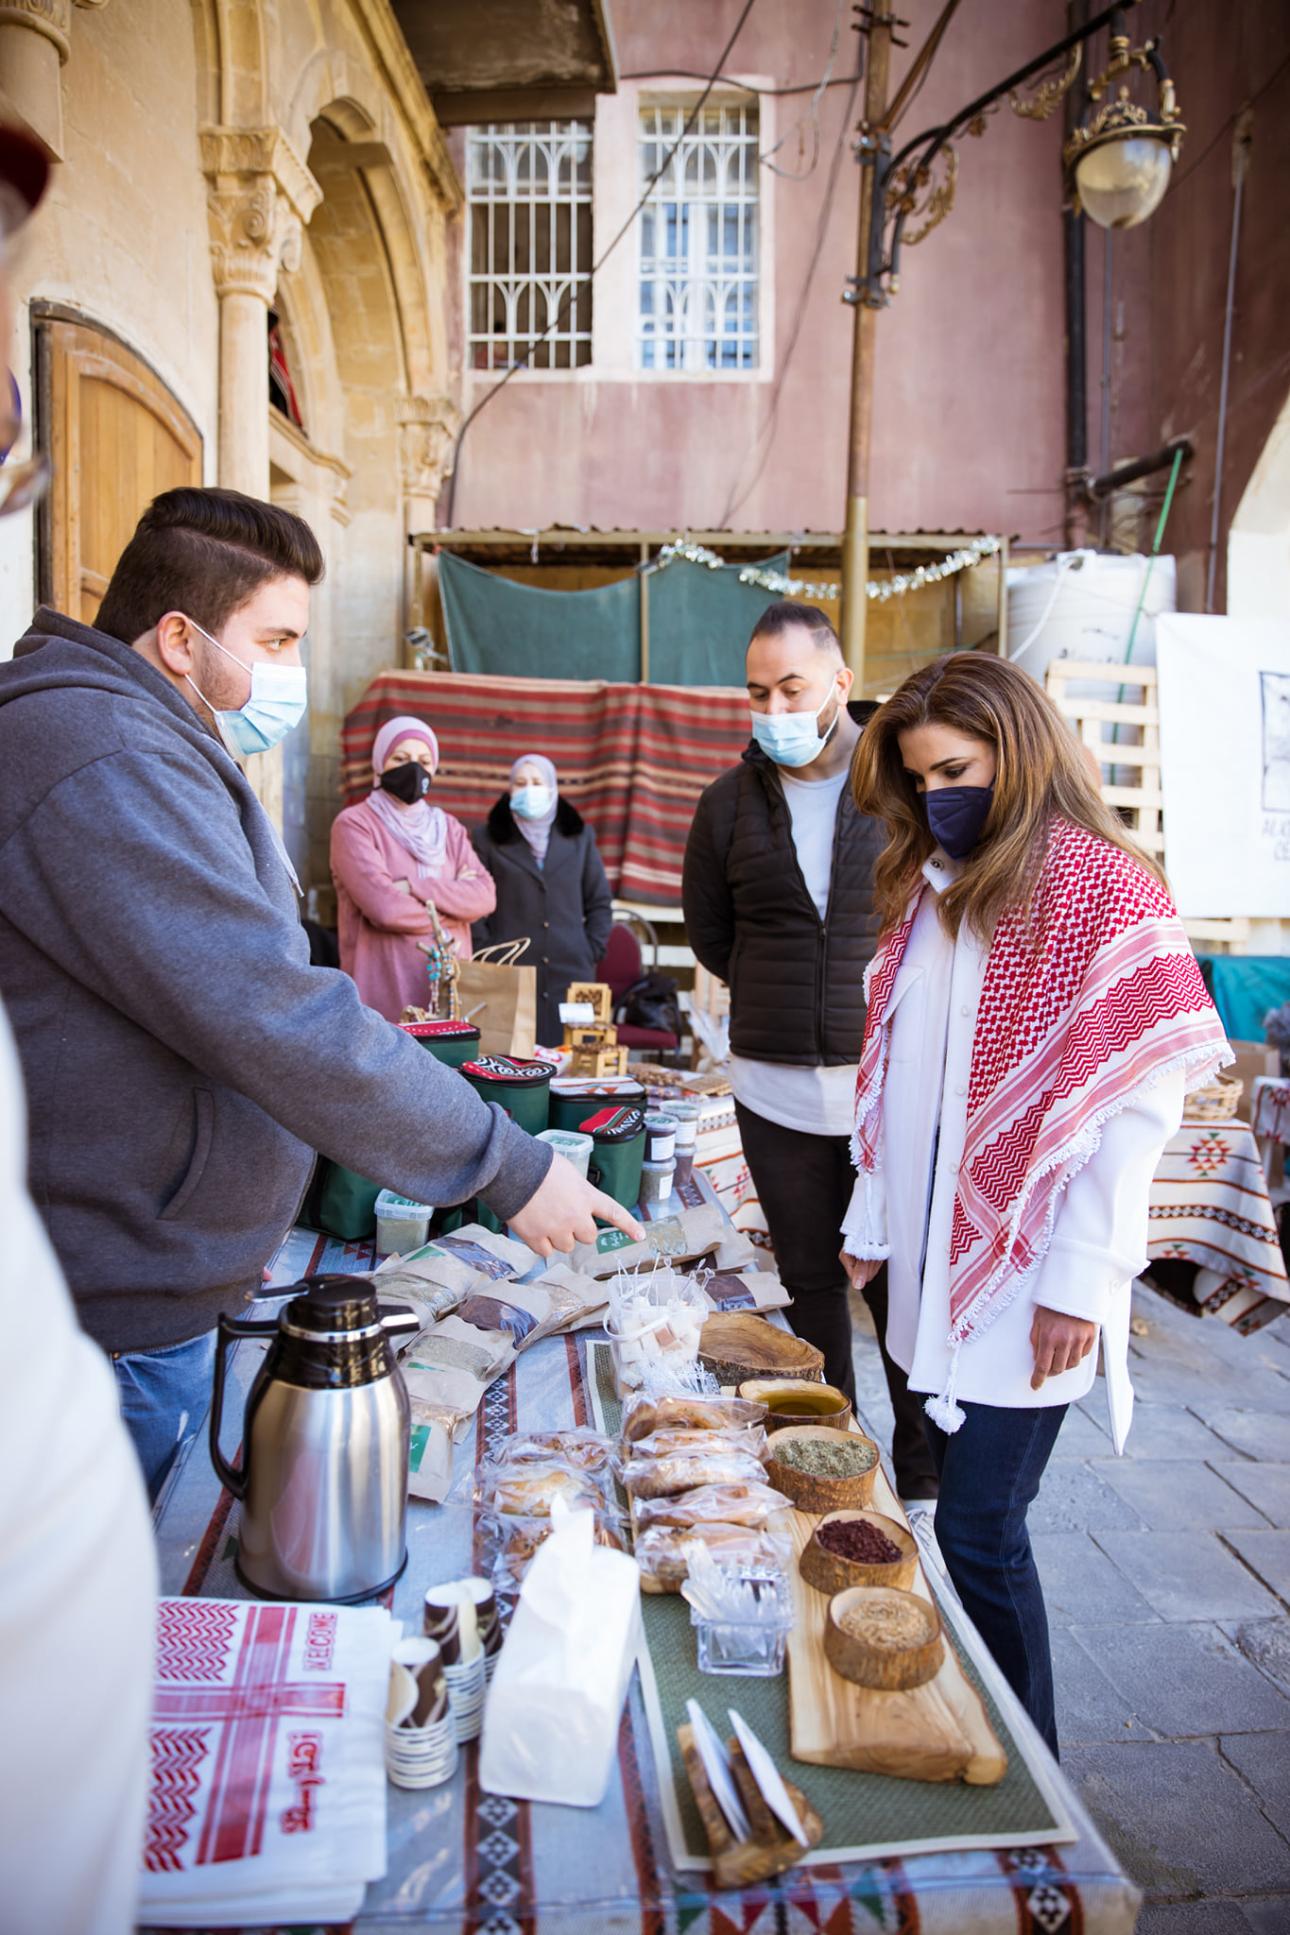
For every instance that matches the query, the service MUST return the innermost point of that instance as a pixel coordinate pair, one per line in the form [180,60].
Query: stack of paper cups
[420,1737]
[488,1623]
[449,1619]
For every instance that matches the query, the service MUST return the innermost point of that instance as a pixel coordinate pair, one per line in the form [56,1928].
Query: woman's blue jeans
[990,1470]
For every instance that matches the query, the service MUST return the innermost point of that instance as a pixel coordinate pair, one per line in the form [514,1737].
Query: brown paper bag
[500,997]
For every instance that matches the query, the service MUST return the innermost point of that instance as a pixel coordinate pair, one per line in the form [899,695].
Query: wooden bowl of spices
[884,1639]
[822,1470]
[859,1549]
[797,1400]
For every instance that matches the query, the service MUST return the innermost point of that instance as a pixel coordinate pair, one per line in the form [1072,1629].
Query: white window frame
[669,114]
[558,144]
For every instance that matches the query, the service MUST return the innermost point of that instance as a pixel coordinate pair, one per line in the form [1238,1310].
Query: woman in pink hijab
[394,856]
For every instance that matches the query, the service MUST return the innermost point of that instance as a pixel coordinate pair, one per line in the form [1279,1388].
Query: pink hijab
[421,828]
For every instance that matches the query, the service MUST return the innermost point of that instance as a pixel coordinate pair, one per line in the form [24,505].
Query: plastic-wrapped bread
[684,1440]
[644,1415]
[714,1504]
[661,1551]
[528,1491]
[684,1472]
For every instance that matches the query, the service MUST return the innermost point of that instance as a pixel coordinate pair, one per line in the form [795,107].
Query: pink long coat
[380,924]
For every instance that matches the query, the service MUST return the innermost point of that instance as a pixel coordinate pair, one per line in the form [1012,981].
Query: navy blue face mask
[956,815]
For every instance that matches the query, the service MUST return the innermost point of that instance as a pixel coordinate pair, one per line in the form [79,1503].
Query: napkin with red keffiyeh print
[268,1779]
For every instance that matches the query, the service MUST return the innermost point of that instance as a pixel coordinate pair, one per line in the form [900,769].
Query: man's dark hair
[203,552]
[777,618]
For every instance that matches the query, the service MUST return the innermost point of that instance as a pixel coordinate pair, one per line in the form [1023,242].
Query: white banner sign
[1225,764]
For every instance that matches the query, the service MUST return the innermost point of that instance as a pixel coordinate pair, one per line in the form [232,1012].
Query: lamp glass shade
[1123,180]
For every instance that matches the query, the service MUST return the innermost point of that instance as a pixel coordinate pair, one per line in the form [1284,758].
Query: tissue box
[553,1710]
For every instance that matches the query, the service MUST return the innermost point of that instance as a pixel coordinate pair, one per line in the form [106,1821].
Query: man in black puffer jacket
[778,896]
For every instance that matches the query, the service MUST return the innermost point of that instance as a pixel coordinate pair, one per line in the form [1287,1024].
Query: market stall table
[462,1860]
[1210,1209]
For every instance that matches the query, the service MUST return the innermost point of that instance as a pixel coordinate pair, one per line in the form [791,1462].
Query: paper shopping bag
[499,995]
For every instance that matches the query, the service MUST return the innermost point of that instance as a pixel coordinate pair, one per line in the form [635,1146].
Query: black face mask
[408,782]
[956,816]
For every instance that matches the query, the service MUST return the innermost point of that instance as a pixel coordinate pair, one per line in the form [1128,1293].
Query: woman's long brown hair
[1040,775]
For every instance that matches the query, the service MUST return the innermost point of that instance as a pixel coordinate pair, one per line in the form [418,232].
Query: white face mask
[794,738]
[532,802]
[279,695]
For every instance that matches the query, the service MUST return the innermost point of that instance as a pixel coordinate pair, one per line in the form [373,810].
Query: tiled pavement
[1167,1576]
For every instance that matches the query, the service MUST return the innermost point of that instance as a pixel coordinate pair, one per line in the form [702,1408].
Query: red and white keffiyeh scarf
[1090,995]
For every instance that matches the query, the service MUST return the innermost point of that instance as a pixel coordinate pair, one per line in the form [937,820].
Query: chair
[622,965]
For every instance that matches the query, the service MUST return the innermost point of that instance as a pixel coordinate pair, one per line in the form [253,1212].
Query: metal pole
[1240,162]
[855,541]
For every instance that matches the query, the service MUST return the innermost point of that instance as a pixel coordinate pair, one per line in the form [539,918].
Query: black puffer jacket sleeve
[705,890]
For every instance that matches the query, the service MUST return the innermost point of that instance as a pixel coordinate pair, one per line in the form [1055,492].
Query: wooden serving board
[936,1732]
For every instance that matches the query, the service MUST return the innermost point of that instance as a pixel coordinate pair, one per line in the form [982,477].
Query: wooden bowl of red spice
[862,1548]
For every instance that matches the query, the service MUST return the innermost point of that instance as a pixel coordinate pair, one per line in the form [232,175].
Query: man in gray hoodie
[183,1059]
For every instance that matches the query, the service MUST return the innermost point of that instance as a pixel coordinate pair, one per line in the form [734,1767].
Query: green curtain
[699,624]
[1245,987]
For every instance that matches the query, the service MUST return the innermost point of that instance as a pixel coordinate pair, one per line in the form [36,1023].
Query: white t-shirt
[816,1101]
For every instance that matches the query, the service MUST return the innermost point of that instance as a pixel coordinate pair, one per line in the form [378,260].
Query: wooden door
[117,438]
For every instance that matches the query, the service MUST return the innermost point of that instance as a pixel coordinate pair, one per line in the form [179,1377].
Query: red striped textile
[632,758]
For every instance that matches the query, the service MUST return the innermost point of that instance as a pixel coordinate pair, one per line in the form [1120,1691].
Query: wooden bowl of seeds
[822,1470]
[883,1639]
[859,1549]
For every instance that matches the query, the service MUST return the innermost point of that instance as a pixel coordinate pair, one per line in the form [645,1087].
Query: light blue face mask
[793,738]
[279,695]
[531,802]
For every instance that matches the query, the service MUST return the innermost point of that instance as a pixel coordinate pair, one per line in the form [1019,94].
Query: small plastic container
[660,1136]
[754,1648]
[686,1117]
[401,1224]
[656,1181]
[573,1147]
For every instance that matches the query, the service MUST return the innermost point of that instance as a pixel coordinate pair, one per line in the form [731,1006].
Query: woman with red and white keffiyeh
[1035,1014]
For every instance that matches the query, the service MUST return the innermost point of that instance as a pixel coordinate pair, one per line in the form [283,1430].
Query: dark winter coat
[796,981]
[563,908]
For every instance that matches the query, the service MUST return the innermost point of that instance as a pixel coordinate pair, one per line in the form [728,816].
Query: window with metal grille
[698,261]
[529,190]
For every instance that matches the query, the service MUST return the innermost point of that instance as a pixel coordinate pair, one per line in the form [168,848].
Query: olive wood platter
[936,1732]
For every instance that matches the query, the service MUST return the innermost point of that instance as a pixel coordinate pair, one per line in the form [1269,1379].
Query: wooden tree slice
[883,1638]
[798,1400]
[816,1494]
[830,1572]
[735,1345]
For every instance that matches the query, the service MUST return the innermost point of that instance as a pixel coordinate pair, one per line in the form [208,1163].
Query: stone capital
[428,427]
[260,196]
[50,18]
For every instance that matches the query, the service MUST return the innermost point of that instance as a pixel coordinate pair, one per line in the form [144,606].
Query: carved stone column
[260,198]
[34,45]
[428,427]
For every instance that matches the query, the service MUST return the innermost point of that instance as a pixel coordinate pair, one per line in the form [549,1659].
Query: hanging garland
[880,589]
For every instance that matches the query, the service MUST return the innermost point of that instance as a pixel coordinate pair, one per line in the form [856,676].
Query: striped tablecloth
[632,758]
[1210,1206]
[1270,1107]
[476,1864]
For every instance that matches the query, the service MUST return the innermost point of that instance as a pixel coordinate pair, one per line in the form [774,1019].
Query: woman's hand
[860,1269]
[1059,1343]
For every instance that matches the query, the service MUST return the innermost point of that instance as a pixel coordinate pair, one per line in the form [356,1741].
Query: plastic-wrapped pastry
[581,1449]
[661,1551]
[715,1504]
[515,1540]
[644,1414]
[664,1477]
[685,1441]
[528,1491]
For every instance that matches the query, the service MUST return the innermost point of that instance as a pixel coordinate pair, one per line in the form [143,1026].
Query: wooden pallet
[1123,736]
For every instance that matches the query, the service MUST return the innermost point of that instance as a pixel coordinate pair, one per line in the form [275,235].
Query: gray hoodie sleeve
[135,875]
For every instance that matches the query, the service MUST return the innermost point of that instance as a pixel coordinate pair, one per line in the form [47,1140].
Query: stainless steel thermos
[324,1476]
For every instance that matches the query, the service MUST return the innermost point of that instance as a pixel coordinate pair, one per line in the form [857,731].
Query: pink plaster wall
[969,367]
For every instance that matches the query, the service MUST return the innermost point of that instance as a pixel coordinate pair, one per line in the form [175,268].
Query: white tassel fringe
[942,1410]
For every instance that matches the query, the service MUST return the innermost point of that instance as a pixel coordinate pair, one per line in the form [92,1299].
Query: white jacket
[904,1212]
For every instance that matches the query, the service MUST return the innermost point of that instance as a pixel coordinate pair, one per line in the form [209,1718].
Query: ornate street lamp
[1118,160]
